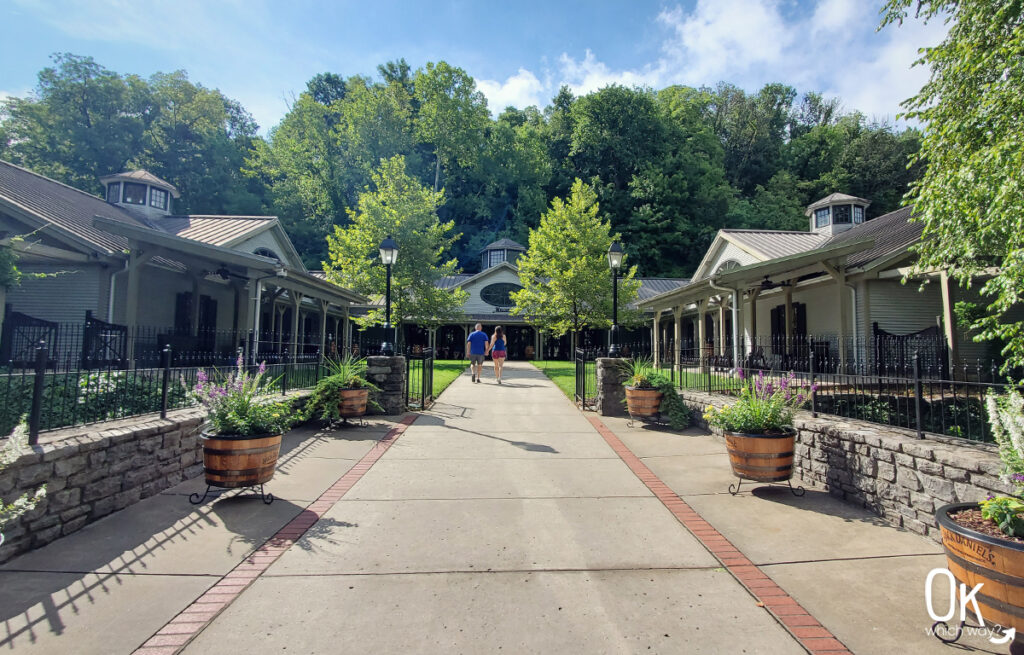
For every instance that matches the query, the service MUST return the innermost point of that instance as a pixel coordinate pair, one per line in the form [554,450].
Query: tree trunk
[437,171]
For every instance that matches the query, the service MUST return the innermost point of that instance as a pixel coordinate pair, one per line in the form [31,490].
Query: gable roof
[482,274]
[144,177]
[774,243]
[216,230]
[65,207]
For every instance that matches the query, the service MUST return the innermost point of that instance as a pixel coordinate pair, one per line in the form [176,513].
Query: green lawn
[563,374]
[445,372]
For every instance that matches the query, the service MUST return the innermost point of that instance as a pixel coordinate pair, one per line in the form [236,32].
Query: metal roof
[777,243]
[504,244]
[452,281]
[652,286]
[66,207]
[892,233]
[832,199]
[142,176]
[215,230]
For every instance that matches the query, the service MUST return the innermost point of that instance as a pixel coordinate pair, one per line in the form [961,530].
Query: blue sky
[262,52]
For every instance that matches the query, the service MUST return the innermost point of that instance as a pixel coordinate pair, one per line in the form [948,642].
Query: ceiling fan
[767,284]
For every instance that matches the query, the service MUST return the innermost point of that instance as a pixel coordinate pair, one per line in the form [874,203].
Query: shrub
[763,407]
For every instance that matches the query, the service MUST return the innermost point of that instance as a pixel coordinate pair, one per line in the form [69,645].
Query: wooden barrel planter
[352,402]
[975,558]
[239,460]
[643,403]
[761,457]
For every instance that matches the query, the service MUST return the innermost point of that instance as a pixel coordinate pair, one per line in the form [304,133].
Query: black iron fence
[889,384]
[50,399]
[586,377]
[419,378]
[93,374]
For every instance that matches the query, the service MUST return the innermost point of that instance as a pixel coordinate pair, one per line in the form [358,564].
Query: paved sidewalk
[105,589]
[499,522]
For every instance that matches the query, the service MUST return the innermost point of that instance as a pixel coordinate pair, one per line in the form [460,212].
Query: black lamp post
[614,262]
[388,255]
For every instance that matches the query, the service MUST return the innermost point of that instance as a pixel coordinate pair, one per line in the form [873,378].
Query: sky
[262,52]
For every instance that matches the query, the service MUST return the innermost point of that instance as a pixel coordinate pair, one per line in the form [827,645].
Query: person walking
[498,351]
[476,350]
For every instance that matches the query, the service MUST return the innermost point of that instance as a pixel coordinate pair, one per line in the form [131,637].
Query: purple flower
[201,376]
[1017,477]
[263,367]
[740,374]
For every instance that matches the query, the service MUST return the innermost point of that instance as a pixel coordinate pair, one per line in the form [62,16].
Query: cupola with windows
[837,213]
[503,250]
[140,191]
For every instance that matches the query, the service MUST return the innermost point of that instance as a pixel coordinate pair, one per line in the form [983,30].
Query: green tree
[971,197]
[565,275]
[401,207]
[452,115]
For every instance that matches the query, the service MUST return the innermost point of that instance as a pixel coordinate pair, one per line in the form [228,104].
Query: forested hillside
[670,166]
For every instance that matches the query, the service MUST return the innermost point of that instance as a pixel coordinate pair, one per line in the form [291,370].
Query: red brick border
[193,619]
[790,614]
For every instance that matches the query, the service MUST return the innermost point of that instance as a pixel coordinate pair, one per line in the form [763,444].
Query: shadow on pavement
[819,502]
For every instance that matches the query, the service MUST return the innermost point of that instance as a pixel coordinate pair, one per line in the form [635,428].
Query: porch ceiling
[752,274]
[299,281]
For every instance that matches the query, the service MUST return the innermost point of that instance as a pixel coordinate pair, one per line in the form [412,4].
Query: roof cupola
[503,250]
[836,213]
[140,191]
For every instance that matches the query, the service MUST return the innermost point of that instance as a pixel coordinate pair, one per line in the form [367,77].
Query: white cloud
[832,48]
[520,90]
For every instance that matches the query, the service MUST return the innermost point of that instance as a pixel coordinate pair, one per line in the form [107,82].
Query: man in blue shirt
[476,349]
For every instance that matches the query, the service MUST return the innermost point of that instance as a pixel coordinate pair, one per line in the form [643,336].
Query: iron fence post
[39,384]
[284,376]
[917,395]
[165,363]
[814,391]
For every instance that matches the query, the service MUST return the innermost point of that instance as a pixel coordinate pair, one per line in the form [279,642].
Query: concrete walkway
[500,521]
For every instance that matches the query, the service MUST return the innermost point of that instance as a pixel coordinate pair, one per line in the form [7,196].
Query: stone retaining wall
[888,470]
[90,472]
[388,373]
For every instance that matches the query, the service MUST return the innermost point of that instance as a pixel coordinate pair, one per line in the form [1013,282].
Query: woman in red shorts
[498,352]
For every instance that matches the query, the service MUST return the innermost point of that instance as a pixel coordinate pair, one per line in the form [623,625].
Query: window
[266,252]
[821,217]
[858,214]
[841,214]
[114,192]
[134,194]
[499,294]
[157,198]
[727,265]
[496,257]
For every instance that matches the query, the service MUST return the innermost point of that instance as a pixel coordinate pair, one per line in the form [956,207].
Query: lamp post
[388,255]
[614,262]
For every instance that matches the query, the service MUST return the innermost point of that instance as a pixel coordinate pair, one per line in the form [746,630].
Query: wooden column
[136,260]
[323,327]
[721,327]
[701,330]
[677,315]
[949,320]
[296,303]
[656,338]
[753,319]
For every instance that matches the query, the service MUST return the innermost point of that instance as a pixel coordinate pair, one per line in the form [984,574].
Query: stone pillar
[611,395]
[388,373]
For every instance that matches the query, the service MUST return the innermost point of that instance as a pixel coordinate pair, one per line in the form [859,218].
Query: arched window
[266,252]
[726,266]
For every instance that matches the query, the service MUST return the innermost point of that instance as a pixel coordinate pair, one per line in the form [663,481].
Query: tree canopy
[669,167]
[971,197]
[565,275]
[401,207]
